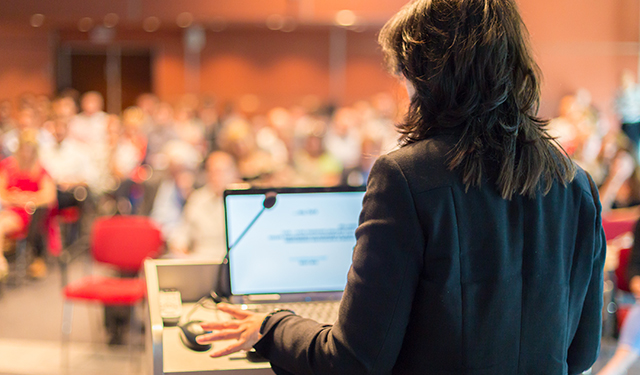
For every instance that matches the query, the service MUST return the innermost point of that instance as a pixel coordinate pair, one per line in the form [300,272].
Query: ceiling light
[184,19]
[111,20]
[275,22]
[151,24]
[37,20]
[85,24]
[345,18]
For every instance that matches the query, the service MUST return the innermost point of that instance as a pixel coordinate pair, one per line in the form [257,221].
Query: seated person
[166,193]
[24,187]
[201,231]
[621,187]
[65,161]
[314,165]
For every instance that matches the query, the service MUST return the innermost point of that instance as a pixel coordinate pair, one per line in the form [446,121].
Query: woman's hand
[245,329]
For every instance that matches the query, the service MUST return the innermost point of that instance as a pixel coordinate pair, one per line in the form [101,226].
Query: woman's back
[506,296]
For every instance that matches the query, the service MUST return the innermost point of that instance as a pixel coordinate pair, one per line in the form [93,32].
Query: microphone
[224,288]
[268,202]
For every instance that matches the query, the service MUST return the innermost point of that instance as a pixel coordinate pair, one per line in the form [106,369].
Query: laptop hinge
[263,297]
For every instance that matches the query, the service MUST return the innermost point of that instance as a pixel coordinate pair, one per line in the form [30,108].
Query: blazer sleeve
[585,345]
[376,304]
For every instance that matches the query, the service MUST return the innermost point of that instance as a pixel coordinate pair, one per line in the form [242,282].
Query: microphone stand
[223,287]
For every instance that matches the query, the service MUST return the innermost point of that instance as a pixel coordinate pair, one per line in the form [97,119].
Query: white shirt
[346,149]
[167,208]
[66,162]
[202,226]
[91,130]
[11,140]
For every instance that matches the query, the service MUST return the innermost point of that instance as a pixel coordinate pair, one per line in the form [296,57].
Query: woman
[24,187]
[480,246]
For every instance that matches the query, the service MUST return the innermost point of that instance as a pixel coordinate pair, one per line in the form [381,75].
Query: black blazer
[449,281]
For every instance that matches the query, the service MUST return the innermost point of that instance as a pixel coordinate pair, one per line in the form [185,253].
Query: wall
[582,44]
[26,62]
[578,44]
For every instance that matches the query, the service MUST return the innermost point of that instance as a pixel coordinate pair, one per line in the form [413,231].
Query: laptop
[290,245]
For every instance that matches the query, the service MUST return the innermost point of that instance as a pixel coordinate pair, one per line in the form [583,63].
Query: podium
[164,351]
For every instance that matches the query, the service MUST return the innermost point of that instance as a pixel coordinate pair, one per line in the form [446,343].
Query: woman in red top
[24,186]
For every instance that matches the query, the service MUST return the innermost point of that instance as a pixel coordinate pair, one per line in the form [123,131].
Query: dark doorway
[135,70]
[119,74]
[88,73]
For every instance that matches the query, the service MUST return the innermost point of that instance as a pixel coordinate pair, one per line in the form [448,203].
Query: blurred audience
[621,187]
[24,187]
[200,233]
[174,186]
[90,125]
[149,160]
[628,106]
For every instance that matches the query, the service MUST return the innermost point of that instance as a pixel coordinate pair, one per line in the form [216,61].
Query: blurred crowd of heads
[606,148]
[297,146]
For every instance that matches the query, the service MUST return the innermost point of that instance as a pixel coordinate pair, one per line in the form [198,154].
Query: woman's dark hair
[471,66]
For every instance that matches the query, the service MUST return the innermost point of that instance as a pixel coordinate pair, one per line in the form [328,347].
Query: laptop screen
[302,243]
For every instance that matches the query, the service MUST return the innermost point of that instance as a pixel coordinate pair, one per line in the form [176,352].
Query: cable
[213,298]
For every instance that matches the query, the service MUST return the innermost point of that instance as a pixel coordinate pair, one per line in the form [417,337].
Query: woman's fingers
[236,347]
[226,334]
[234,311]
[221,325]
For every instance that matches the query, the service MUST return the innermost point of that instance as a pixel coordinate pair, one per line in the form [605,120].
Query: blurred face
[164,114]
[345,119]
[60,130]
[91,103]
[147,103]
[26,119]
[27,153]
[65,108]
[313,146]
[221,171]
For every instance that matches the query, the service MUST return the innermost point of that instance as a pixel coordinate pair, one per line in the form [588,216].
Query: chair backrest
[622,280]
[614,228]
[125,241]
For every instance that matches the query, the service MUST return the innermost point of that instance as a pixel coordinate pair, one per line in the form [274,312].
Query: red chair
[123,242]
[614,228]
[622,284]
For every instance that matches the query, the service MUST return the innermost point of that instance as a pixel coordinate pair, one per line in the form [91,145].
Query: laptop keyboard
[325,312]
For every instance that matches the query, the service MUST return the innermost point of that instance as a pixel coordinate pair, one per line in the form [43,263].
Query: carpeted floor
[30,331]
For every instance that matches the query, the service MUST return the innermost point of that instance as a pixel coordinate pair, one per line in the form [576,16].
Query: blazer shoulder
[584,182]
[424,164]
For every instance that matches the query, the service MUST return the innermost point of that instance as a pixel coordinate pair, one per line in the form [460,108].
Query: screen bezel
[278,191]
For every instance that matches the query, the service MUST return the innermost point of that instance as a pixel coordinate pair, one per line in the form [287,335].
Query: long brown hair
[471,66]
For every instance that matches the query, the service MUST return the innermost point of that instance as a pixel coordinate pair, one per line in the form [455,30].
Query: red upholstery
[614,228]
[108,290]
[69,215]
[622,280]
[622,283]
[124,242]
[621,315]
